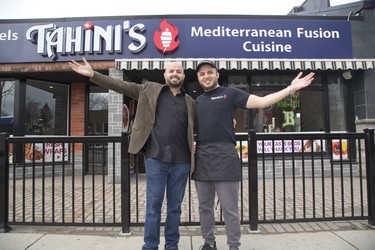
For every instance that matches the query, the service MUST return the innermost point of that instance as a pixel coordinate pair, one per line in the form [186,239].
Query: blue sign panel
[175,38]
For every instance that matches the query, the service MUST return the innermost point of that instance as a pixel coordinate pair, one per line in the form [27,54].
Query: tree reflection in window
[7,105]
[46,108]
[98,111]
[39,120]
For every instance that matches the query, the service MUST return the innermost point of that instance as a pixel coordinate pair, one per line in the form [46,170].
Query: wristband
[290,90]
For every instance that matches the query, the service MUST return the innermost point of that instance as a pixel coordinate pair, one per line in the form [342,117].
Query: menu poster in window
[340,149]
[34,152]
[242,148]
[269,146]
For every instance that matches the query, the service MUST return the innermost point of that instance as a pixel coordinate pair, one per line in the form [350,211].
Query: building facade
[363,35]
[259,54]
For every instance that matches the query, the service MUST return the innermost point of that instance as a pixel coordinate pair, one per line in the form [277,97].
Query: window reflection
[46,108]
[98,111]
[302,111]
[337,107]
[6,105]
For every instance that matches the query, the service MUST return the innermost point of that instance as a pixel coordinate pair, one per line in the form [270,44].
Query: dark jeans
[161,176]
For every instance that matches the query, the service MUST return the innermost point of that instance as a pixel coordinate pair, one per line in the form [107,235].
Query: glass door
[97,125]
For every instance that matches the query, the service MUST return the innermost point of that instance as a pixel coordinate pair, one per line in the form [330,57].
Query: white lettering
[217,97]
[8,36]
[266,47]
[41,31]
[320,33]
[221,31]
[118,38]
[137,37]
[106,35]
[74,40]
[88,41]
[52,41]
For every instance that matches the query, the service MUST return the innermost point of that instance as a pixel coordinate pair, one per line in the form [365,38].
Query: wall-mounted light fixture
[347,74]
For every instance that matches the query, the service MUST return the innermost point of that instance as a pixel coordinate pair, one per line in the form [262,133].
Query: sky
[31,9]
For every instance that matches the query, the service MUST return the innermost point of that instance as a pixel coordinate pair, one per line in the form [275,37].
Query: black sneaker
[207,246]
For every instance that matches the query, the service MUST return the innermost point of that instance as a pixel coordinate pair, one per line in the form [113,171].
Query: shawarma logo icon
[166,39]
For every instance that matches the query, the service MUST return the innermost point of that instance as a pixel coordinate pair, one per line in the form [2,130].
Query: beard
[174,84]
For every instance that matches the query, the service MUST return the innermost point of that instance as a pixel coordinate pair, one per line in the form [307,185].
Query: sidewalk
[320,235]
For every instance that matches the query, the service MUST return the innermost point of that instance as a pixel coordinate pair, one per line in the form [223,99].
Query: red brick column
[77,111]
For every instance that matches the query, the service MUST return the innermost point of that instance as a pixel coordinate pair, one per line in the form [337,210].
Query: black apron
[217,161]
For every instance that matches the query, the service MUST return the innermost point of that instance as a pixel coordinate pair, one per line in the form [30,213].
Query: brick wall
[77,112]
[53,66]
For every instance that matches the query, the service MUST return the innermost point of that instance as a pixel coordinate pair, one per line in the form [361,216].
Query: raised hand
[83,69]
[299,83]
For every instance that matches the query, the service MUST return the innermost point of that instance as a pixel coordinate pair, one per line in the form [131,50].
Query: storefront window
[97,126]
[337,107]
[240,82]
[302,111]
[6,105]
[46,108]
[98,111]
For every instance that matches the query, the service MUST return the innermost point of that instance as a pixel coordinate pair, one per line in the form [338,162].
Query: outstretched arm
[266,101]
[130,89]
[83,69]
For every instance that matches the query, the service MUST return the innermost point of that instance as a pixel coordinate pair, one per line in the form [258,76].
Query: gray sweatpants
[227,193]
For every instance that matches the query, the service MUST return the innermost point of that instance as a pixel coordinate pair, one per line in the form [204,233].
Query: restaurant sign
[49,41]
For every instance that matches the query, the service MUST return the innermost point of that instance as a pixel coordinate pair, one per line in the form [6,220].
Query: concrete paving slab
[61,238]
[83,242]
[15,241]
[285,241]
[363,240]
[58,241]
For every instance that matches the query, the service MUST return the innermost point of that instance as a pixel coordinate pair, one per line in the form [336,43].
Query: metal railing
[326,182]
[287,177]
[56,181]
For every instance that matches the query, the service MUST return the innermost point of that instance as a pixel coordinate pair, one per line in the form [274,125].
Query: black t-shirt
[216,110]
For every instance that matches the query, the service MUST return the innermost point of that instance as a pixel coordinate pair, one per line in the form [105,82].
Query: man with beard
[217,167]
[163,127]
